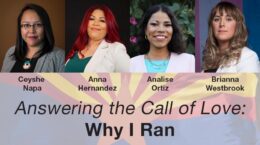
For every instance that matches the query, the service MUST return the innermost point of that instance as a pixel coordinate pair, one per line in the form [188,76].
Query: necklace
[163,63]
[27,64]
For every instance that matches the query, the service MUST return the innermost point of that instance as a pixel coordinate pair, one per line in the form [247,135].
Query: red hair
[82,37]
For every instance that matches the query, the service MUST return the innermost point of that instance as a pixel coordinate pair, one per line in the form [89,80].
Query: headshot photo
[229,44]
[95,42]
[160,43]
[33,48]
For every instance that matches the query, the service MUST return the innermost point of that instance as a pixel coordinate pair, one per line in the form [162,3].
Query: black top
[211,70]
[27,65]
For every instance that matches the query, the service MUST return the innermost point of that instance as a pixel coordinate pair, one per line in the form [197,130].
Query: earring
[145,37]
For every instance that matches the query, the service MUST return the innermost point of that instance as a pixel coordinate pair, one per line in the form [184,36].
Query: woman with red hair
[97,47]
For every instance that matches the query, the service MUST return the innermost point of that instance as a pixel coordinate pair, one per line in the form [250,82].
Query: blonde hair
[212,58]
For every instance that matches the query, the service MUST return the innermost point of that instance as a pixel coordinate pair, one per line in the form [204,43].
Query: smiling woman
[34,50]
[97,47]
[161,44]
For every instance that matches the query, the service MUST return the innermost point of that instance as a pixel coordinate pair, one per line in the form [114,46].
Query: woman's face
[32,30]
[97,26]
[224,27]
[159,30]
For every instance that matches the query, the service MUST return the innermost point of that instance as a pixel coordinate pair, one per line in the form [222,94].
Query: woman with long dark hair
[97,47]
[161,44]
[34,50]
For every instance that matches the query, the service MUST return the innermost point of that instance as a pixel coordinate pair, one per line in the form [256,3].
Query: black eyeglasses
[28,26]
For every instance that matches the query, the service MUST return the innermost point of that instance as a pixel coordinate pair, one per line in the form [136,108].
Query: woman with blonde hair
[226,49]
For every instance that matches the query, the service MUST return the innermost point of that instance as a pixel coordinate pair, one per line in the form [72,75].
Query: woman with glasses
[34,50]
